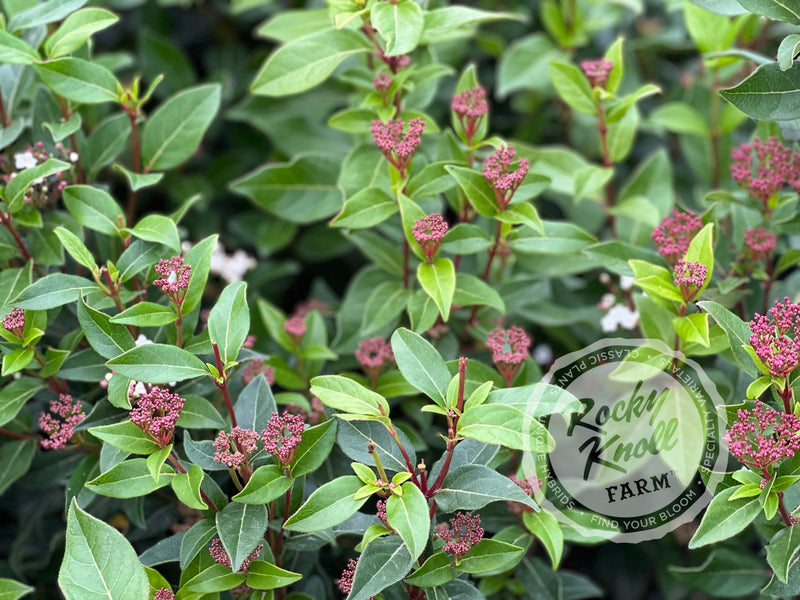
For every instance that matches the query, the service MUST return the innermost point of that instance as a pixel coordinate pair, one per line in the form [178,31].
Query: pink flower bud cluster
[470,107]
[690,276]
[14,321]
[510,348]
[759,243]
[164,594]
[282,436]
[498,172]
[65,413]
[234,449]
[382,82]
[256,367]
[461,534]
[295,326]
[429,232]
[220,556]
[156,413]
[763,436]
[597,71]
[373,354]
[776,338]
[345,582]
[529,485]
[174,280]
[396,146]
[776,167]
[673,236]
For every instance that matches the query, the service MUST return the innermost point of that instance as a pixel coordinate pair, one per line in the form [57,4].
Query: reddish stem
[5,219]
[224,385]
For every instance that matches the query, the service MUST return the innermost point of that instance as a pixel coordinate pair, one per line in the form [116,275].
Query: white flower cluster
[618,315]
[231,267]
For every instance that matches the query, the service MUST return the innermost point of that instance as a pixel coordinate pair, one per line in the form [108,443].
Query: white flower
[606,301]
[218,260]
[239,263]
[626,282]
[25,160]
[142,340]
[618,316]
[543,354]
[73,157]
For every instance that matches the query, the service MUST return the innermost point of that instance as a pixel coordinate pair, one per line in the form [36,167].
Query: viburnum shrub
[425,205]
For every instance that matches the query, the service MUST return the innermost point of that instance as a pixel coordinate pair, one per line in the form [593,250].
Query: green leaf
[302,191]
[679,117]
[384,561]
[573,87]
[314,447]
[439,281]
[158,229]
[187,488]
[693,328]
[145,314]
[99,563]
[16,361]
[472,291]
[139,256]
[63,129]
[15,394]
[422,312]
[199,258]
[726,573]
[265,485]
[76,29]
[440,23]
[174,131]
[470,487]
[521,213]
[199,413]
[52,291]
[105,143]
[490,555]
[777,10]
[255,405]
[768,93]
[557,238]
[400,25]
[93,208]
[196,539]
[408,516]
[307,61]
[476,189]
[348,396]
[287,25]
[129,479]
[366,208]
[76,248]
[724,518]
[15,459]
[421,365]
[545,527]
[262,575]
[126,436]
[158,363]
[12,590]
[229,321]
[17,188]
[789,48]
[41,13]
[782,549]
[16,52]
[211,579]
[435,571]
[241,528]
[330,504]
[738,333]
[79,80]
[138,181]
[701,249]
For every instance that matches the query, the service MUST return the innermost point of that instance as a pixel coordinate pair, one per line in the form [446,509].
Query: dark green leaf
[474,486]
[241,528]
[421,365]
[768,93]
[158,363]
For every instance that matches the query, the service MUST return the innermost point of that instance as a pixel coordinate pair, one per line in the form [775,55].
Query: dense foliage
[279,286]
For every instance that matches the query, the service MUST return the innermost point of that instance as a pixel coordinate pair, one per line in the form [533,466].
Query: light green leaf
[262,575]
[400,25]
[307,61]
[16,52]
[545,527]
[76,248]
[724,518]
[158,229]
[693,328]
[17,188]
[421,364]
[265,485]
[53,290]
[93,208]
[79,80]
[138,181]
[472,291]
[366,208]
[408,516]
[129,479]
[158,363]
[573,87]
[229,321]
[146,314]
[99,563]
[330,504]
[348,396]
[76,29]
[42,13]
[489,556]
[126,436]
[439,281]
[174,131]
[12,590]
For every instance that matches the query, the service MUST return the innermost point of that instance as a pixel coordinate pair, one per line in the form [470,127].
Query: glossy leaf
[408,516]
[421,364]
[724,518]
[241,528]
[265,485]
[400,25]
[471,487]
[229,321]
[329,505]
[439,282]
[158,363]
[348,396]
[79,80]
[383,562]
[768,93]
